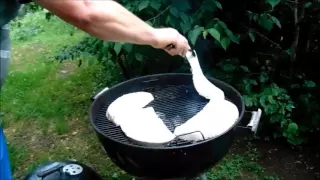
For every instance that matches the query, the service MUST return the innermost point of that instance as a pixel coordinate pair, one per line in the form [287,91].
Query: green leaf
[248,101]
[273,3]
[252,36]
[183,5]
[148,22]
[225,42]
[232,37]
[265,22]
[185,27]
[308,4]
[205,34]
[294,86]
[229,67]
[174,11]
[250,15]
[218,4]
[117,47]
[270,99]
[245,68]
[252,81]
[143,4]
[262,101]
[263,77]
[275,118]
[138,57]
[289,107]
[292,128]
[255,17]
[309,84]
[127,47]
[184,17]
[194,34]
[214,33]
[276,21]
[222,24]
[155,5]
[207,6]
[289,52]
[115,175]
[105,47]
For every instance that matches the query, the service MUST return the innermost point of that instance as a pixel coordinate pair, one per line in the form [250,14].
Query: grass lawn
[45,104]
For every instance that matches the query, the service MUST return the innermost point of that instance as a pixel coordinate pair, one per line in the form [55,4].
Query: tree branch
[155,17]
[295,43]
[264,37]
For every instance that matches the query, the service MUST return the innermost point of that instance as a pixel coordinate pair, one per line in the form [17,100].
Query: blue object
[5,171]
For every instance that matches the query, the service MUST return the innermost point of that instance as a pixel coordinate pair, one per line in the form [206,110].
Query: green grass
[240,166]
[45,106]
[45,103]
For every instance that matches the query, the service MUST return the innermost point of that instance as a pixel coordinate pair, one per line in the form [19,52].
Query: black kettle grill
[66,170]
[176,98]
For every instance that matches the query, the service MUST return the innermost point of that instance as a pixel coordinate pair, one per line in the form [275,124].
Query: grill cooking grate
[174,105]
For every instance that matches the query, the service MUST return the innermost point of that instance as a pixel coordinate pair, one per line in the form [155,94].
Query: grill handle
[95,96]
[172,46]
[252,125]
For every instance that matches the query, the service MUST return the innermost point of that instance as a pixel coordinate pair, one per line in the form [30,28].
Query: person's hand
[168,36]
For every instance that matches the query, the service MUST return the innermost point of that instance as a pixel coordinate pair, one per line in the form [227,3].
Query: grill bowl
[177,100]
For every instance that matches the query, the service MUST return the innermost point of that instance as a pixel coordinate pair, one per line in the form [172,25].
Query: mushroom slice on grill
[128,102]
[145,126]
[213,120]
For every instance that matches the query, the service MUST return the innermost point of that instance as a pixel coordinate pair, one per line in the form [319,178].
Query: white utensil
[203,86]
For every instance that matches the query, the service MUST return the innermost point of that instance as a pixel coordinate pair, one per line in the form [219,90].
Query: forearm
[113,22]
[106,20]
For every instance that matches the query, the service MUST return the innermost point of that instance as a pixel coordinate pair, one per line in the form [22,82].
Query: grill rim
[97,130]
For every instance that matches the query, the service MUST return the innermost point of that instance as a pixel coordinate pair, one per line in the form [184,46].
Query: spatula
[203,86]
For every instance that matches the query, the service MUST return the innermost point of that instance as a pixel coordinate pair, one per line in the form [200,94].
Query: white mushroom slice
[145,126]
[215,118]
[203,86]
[128,102]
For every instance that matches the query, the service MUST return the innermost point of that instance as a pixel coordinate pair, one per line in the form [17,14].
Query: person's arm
[110,21]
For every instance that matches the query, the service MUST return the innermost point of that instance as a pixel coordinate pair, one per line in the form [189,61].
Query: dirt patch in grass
[66,68]
[287,163]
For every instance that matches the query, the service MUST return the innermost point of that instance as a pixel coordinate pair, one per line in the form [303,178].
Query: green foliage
[179,14]
[245,47]
[29,27]
[238,166]
[33,8]
[276,102]
[35,23]
[17,155]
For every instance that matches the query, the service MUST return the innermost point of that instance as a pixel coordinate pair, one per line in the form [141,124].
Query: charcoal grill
[176,101]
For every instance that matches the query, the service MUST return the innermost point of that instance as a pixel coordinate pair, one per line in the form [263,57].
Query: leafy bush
[266,49]
[29,27]
[35,23]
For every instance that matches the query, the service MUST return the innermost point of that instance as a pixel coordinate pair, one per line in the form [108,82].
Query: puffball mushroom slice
[213,120]
[145,126]
[128,102]
[203,86]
